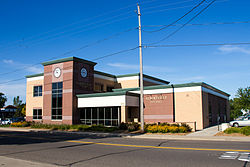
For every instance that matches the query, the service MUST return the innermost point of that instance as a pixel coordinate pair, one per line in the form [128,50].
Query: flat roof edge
[68,59]
[144,75]
[203,84]
[104,74]
[106,94]
[34,75]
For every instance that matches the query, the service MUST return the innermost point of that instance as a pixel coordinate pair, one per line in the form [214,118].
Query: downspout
[173,103]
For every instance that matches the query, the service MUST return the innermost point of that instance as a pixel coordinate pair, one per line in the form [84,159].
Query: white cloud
[136,67]
[8,61]
[13,90]
[230,49]
[25,67]
[124,66]
[190,79]
[34,69]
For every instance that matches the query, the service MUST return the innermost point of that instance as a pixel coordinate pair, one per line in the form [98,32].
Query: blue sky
[35,31]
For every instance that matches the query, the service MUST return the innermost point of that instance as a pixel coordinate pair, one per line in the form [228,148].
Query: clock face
[57,72]
[84,72]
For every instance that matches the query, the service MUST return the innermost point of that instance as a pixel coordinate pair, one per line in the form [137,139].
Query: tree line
[17,102]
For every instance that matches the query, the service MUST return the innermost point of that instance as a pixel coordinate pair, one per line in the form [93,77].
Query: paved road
[84,150]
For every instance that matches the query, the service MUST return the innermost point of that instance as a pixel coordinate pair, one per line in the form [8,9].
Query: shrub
[173,129]
[20,124]
[245,130]
[167,128]
[189,129]
[164,124]
[175,124]
[133,126]
[152,129]
[182,129]
[123,126]
[232,130]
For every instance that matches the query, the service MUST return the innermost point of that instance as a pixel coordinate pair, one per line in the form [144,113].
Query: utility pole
[141,70]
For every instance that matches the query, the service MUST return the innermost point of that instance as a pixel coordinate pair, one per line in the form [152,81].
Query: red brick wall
[158,108]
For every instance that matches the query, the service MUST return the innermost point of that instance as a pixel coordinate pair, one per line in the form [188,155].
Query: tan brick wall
[33,102]
[129,83]
[105,83]
[188,108]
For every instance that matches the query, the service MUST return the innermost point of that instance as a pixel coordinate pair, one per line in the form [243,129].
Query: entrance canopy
[122,98]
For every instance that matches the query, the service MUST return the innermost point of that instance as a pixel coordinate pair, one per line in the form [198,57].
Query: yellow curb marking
[141,146]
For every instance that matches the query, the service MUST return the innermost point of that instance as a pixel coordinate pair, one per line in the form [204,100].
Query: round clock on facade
[57,72]
[84,72]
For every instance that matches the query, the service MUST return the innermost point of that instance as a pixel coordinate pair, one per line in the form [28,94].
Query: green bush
[189,129]
[245,130]
[123,126]
[232,130]
[133,126]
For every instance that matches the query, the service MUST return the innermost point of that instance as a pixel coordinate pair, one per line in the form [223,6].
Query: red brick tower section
[77,76]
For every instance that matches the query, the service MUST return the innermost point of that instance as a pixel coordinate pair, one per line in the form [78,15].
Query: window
[37,113]
[57,101]
[107,116]
[109,88]
[37,91]
[99,87]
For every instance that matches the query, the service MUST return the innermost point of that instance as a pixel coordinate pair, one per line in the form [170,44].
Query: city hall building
[71,91]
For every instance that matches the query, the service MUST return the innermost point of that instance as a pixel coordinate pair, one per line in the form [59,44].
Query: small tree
[21,107]
[240,102]
[3,99]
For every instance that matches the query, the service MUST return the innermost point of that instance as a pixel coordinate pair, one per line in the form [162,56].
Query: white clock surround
[57,72]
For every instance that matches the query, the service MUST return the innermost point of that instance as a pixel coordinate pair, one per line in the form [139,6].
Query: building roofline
[175,86]
[68,59]
[213,88]
[106,94]
[104,74]
[144,75]
[34,75]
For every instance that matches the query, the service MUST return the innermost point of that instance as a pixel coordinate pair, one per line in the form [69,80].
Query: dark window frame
[37,113]
[37,91]
[56,101]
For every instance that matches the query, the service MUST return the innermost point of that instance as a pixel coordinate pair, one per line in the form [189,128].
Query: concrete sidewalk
[211,131]
[137,136]
[12,162]
[186,137]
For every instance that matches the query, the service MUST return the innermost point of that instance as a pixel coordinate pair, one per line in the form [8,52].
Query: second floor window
[38,91]
[99,87]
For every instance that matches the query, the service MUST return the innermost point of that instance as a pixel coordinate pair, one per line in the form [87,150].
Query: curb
[241,139]
[135,136]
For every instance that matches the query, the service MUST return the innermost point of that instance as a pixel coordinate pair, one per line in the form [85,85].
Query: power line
[200,24]
[108,55]
[163,10]
[69,32]
[112,54]
[180,17]
[169,4]
[76,22]
[190,45]
[74,50]
[183,24]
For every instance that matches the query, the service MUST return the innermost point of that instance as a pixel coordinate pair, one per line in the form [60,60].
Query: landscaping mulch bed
[232,134]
